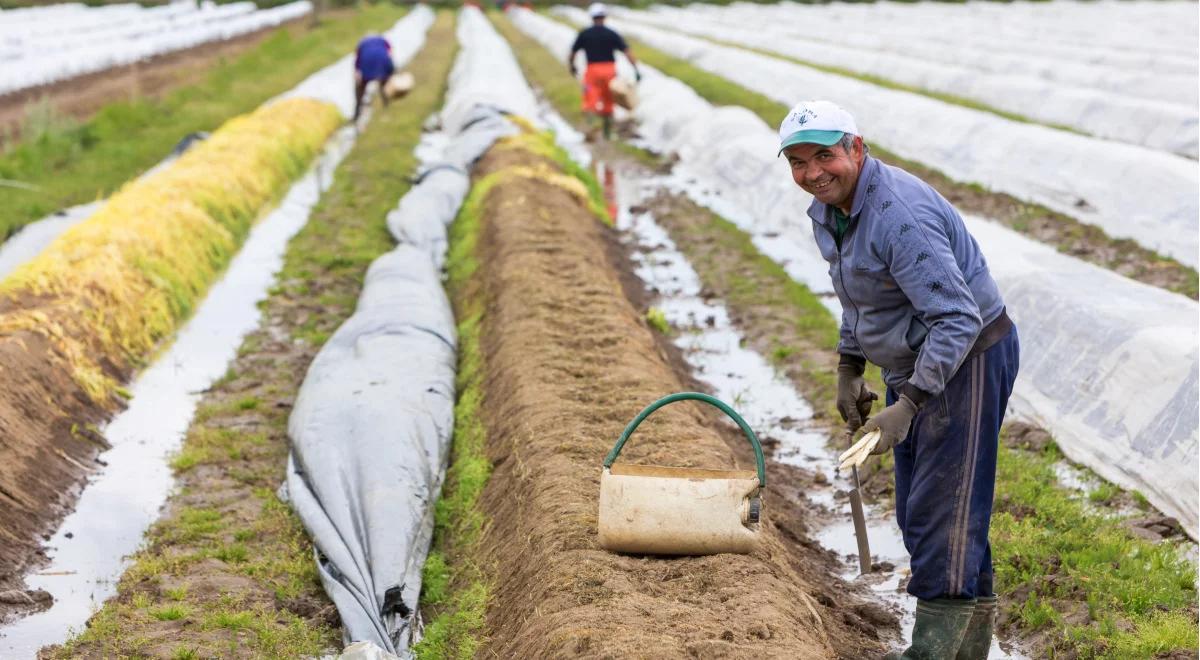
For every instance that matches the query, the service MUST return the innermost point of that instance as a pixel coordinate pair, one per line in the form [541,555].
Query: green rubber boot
[978,639]
[938,632]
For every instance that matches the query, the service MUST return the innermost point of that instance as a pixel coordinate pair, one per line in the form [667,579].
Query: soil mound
[569,361]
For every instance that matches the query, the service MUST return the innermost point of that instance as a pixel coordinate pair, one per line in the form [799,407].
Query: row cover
[131,41]
[1109,365]
[1130,192]
[372,425]
[72,18]
[1160,125]
[1167,84]
[1134,36]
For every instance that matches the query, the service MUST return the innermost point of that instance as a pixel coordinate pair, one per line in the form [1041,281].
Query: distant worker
[600,44]
[372,62]
[919,301]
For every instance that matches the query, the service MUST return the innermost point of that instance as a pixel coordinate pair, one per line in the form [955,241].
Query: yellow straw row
[110,288]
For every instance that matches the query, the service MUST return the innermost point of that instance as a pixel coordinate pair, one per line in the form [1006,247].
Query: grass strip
[78,164]
[456,585]
[113,285]
[228,571]
[1067,235]
[1071,572]
[1052,550]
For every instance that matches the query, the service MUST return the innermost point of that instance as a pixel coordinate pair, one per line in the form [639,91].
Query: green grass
[455,586]
[658,320]
[170,613]
[1057,548]
[73,164]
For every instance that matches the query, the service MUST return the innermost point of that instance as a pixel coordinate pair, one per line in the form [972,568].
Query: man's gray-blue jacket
[914,287]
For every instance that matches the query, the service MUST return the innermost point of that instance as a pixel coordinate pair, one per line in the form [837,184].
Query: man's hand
[893,423]
[853,397]
[637,75]
[574,71]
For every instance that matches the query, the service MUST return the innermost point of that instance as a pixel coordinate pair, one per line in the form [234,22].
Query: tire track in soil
[569,362]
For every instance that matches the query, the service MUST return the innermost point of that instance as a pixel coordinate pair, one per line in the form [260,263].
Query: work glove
[637,75]
[853,398]
[893,423]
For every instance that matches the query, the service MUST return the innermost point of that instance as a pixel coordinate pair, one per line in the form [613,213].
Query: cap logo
[802,116]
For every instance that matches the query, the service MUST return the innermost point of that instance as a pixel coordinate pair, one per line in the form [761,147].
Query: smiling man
[917,300]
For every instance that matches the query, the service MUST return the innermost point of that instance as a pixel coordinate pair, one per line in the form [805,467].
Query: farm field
[308,386]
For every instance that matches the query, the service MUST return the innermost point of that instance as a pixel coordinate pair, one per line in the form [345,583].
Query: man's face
[827,173]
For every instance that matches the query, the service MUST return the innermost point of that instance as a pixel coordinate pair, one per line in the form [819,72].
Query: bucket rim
[674,472]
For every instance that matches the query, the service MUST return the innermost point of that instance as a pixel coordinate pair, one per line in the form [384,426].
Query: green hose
[694,396]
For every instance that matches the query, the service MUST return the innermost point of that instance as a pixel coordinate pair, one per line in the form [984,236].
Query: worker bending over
[372,61]
[917,300]
[600,44]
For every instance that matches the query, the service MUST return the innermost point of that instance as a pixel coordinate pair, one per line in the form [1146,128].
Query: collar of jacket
[823,213]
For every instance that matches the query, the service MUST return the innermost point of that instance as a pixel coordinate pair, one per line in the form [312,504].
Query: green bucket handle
[695,396]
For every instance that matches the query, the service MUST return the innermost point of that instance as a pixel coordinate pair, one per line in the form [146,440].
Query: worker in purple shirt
[919,301]
[372,61]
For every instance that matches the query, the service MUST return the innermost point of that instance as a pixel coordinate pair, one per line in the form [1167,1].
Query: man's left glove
[893,423]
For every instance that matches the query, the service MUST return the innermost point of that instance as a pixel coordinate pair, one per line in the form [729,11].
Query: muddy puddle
[770,404]
[88,552]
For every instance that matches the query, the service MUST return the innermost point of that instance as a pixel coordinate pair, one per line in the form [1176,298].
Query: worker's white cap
[815,122]
[597,9]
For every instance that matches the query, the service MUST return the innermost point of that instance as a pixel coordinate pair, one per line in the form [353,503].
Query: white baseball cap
[597,9]
[815,122]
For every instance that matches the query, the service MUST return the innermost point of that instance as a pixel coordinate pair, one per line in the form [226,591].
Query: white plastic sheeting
[1130,192]
[335,83]
[372,425]
[485,74]
[1156,124]
[1107,43]
[1109,364]
[370,438]
[39,53]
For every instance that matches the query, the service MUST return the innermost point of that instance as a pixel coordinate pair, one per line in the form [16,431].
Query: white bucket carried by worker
[398,85]
[650,509]
[624,93]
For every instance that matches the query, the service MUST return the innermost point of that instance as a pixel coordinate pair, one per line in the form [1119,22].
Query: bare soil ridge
[569,363]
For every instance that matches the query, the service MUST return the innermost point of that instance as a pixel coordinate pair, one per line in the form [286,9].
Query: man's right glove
[893,423]
[853,398]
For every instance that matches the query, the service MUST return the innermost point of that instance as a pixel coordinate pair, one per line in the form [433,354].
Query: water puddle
[782,247]
[769,403]
[88,553]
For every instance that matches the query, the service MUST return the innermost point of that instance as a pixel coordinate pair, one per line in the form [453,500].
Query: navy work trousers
[946,476]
